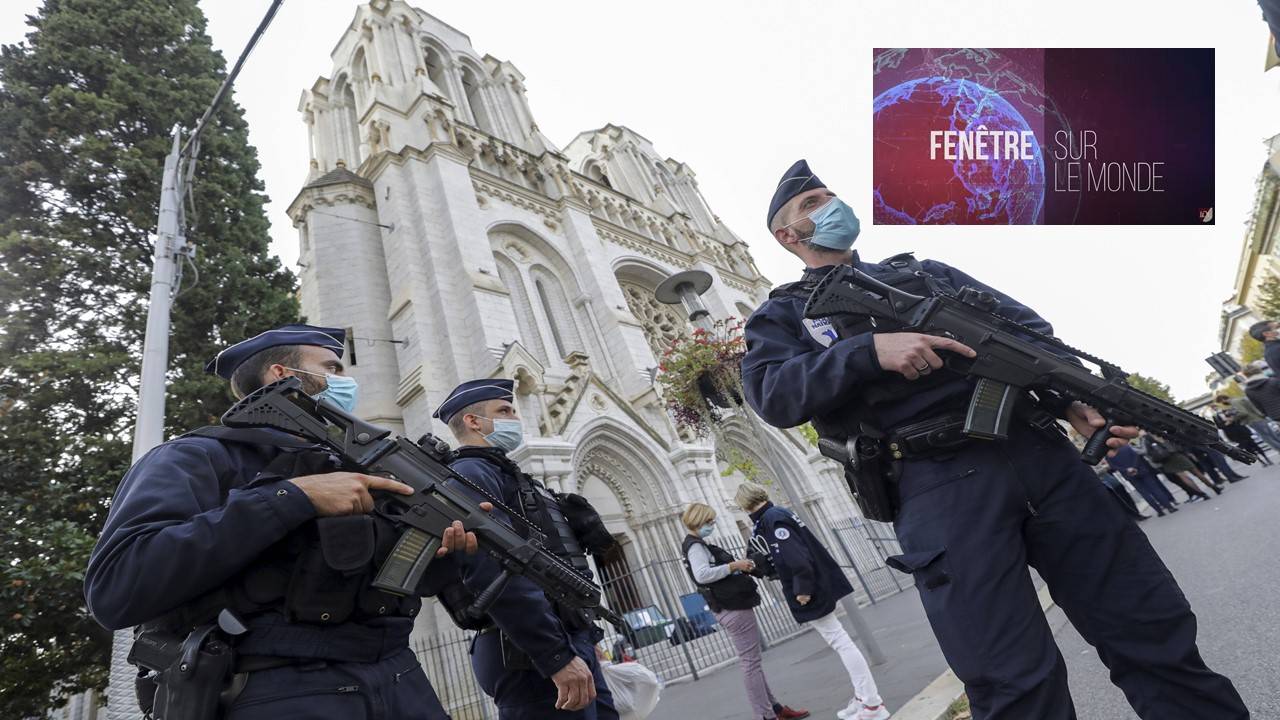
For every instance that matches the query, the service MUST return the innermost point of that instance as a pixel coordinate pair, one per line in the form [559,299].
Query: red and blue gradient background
[1147,104]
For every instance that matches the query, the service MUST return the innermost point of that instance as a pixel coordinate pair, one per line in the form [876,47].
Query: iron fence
[669,628]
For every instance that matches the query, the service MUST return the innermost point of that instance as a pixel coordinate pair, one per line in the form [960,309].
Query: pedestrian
[1262,391]
[533,656]
[972,514]
[1249,415]
[812,583]
[1118,491]
[1214,464]
[1142,476]
[1267,332]
[1168,461]
[224,518]
[1228,421]
[731,594]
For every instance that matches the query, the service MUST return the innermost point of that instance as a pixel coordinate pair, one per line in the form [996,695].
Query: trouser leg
[1106,577]
[864,685]
[744,632]
[1267,433]
[960,529]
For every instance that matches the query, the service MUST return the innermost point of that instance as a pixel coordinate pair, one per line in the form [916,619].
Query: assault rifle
[434,505]
[1007,363]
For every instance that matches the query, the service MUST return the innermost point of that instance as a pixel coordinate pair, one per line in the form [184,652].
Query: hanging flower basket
[700,375]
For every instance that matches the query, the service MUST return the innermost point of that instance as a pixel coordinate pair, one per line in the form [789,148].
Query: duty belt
[927,437]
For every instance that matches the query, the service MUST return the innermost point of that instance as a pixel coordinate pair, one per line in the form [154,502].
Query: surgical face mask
[706,530]
[835,227]
[339,389]
[507,434]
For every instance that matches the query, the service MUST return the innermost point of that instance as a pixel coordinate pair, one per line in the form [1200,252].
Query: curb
[932,702]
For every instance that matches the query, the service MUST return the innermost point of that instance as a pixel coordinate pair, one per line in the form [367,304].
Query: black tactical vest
[320,573]
[734,592]
[541,507]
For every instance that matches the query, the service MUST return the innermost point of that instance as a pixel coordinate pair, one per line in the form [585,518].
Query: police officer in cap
[257,526]
[972,514]
[534,658]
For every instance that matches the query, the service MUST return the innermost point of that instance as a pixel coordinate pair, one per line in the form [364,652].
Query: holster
[870,474]
[182,678]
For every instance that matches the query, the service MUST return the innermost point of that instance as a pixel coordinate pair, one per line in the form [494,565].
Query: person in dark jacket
[1169,461]
[207,514]
[534,657]
[972,514]
[813,583]
[1232,426]
[1139,472]
[1267,332]
[1262,391]
[731,594]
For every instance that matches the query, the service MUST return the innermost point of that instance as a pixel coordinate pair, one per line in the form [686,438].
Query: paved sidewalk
[804,672]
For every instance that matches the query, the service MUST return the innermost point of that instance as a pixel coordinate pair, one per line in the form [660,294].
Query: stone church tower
[454,241]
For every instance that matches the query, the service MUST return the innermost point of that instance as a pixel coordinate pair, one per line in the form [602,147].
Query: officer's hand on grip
[345,493]
[742,566]
[455,538]
[575,687]
[913,354]
[1086,420]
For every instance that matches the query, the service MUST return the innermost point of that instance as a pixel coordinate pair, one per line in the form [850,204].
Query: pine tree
[1269,297]
[86,108]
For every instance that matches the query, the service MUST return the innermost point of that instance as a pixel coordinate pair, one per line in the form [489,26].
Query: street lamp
[685,289]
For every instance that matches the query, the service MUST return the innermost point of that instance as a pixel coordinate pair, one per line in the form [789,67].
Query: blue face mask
[507,434]
[834,225]
[339,390]
[706,530]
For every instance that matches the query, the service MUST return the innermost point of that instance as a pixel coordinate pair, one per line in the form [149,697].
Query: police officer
[973,514]
[534,658]
[1267,332]
[813,583]
[252,521]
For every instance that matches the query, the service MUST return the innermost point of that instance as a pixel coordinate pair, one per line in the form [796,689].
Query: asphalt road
[1225,554]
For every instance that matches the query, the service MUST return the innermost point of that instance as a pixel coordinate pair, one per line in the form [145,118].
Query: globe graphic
[913,189]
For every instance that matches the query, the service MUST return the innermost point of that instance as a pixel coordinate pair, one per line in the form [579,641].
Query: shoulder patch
[781,533]
[821,330]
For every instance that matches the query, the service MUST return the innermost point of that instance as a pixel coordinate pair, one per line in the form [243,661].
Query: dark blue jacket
[795,368]
[171,537]
[1271,353]
[522,611]
[1127,458]
[804,565]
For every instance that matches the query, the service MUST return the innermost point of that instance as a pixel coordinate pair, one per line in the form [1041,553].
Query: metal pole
[149,431]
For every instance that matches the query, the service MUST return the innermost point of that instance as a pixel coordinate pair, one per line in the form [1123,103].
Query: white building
[437,216]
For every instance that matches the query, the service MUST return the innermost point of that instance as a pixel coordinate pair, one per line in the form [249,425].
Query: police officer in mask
[534,658]
[972,514]
[255,530]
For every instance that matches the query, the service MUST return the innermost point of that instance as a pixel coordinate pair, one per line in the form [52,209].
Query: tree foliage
[87,103]
[1151,386]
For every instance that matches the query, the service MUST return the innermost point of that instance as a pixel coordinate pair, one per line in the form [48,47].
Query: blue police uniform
[804,565]
[1143,478]
[197,514]
[971,519]
[518,679]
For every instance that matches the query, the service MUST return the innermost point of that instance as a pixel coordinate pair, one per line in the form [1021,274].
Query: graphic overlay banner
[1059,136]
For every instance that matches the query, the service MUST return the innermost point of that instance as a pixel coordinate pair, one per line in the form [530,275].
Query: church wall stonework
[415,192]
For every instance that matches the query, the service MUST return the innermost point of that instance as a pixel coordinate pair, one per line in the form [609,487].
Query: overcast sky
[739,90]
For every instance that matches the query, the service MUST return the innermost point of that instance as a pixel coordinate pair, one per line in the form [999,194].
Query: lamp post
[685,289]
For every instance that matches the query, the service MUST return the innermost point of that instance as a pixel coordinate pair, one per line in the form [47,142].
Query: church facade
[453,241]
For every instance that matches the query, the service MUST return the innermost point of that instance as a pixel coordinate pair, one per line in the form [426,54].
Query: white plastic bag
[635,688]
